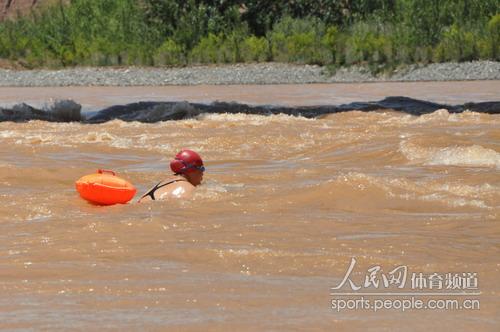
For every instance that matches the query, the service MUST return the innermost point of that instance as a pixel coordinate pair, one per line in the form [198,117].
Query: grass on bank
[128,32]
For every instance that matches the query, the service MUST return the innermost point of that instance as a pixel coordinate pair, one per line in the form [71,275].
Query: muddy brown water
[287,202]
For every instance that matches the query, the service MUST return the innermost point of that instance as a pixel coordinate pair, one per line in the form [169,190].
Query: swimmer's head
[189,164]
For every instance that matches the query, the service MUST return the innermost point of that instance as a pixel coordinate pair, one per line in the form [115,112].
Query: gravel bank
[266,73]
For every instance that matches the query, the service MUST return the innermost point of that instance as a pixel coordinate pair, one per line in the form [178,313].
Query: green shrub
[484,48]
[301,47]
[232,45]
[208,50]
[169,53]
[423,54]
[457,44]
[494,32]
[299,40]
[331,41]
[255,49]
[366,45]
[219,48]
[83,32]
[439,53]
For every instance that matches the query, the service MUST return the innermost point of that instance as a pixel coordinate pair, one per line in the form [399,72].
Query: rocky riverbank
[262,73]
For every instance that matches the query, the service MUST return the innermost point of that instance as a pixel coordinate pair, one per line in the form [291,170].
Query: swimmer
[188,173]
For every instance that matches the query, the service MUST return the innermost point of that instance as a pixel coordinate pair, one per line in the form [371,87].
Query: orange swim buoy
[105,188]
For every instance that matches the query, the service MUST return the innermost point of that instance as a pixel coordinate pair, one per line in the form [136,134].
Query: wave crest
[474,155]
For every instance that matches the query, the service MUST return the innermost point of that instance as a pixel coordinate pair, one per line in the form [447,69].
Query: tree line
[379,33]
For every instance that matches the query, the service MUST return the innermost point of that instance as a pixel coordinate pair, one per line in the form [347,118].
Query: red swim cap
[186,161]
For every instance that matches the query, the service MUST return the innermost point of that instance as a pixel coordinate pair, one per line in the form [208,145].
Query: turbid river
[286,205]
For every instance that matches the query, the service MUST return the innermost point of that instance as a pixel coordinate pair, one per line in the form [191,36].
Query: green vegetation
[380,33]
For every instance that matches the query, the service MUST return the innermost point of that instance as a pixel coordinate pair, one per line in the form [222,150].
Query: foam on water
[452,194]
[474,155]
[253,119]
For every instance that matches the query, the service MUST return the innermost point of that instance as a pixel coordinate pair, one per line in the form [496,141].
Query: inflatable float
[105,188]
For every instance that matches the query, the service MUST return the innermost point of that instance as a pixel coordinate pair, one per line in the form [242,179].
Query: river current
[286,204]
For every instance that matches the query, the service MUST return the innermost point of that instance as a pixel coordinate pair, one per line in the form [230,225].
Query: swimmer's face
[195,177]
